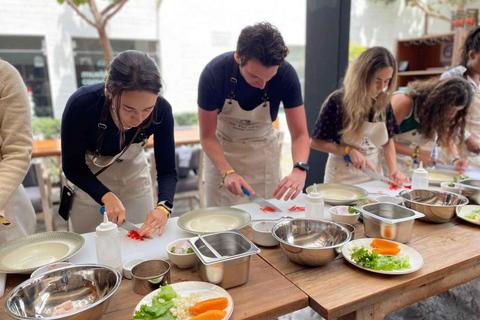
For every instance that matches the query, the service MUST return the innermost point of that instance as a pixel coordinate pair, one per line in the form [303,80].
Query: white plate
[26,254]
[207,290]
[339,194]
[416,260]
[213,219]
[463,211]
[436,176]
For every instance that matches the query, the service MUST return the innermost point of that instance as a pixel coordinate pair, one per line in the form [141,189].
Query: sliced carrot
[380,243]
[211,315]
[210,304]
[390,251]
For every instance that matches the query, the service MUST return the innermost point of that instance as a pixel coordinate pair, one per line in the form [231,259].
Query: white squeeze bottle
[107,244]
[314,204]
[420,178]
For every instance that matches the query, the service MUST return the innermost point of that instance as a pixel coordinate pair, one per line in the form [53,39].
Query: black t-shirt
[214,87]
[79,134]
[330,121]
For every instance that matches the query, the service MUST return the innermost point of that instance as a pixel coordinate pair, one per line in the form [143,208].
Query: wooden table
[45,148]
[340,290]
[266,295]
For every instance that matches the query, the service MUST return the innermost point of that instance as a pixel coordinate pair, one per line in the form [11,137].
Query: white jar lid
[106,228]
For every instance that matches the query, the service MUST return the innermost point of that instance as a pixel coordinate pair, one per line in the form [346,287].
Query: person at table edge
[357,120]
[239,95]
[131,97]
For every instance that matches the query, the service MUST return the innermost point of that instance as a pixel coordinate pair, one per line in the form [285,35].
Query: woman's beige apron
[374,136]
[410,139]
[128,178]
[473,125]
[250,145]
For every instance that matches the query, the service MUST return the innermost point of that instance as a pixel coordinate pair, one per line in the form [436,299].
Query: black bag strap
[102,127]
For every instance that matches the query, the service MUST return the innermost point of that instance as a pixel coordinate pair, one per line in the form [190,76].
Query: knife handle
[246,192]
[347,159]
[102,210]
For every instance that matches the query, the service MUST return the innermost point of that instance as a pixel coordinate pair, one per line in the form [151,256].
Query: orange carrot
[380,243]
[210,304]
[390,251]
[211,315]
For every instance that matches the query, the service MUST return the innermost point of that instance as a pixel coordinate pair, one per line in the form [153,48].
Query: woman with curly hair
[427,111]
[357,120]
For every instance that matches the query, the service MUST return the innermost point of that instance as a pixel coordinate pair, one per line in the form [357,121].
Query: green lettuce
[372,260]
[158,310]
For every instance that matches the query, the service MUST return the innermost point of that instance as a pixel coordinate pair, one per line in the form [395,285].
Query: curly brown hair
[472,42]
[435,100]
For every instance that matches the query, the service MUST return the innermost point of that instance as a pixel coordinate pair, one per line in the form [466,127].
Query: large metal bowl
[311,242]
[437,206]
[470,188]
[88,287]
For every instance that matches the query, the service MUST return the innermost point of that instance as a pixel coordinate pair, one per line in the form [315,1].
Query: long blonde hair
[359,78]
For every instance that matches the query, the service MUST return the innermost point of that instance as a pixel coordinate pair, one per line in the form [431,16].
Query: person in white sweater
[15,153]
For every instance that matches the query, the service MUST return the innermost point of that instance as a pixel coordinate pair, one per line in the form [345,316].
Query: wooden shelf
[422,72]
[440,36]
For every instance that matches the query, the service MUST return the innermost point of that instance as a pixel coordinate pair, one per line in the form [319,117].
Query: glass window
[27,54]
[90,66]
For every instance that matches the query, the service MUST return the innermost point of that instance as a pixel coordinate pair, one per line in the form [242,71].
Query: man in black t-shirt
[239,96]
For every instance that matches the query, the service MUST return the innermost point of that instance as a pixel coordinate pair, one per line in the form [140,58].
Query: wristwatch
[302,166]
[166,204]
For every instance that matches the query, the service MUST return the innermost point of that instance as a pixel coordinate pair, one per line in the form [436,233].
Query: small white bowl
[181,260]
[128,266]
[50,267]
[341,214]
[262,233]
[389,199]
[444,186]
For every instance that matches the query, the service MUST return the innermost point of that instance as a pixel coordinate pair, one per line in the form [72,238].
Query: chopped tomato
[393,186]
[267,209]
[296,209]
[132,234]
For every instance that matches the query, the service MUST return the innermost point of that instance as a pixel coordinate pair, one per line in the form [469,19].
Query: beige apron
[250,145]
[128,178]
[410,139]
[374,136]
[473,125]
[20,212]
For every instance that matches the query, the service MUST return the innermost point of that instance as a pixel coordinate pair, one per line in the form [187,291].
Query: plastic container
[107,244]
[420,178]
[314,204]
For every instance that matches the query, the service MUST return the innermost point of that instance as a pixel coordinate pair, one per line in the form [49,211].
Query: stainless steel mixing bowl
[88,287]
[437,206]
[311,242]
[470,188]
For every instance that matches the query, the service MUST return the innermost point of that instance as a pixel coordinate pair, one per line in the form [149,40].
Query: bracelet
[346,152]
[167,212]
[224,176]
[415,154]
[455,159]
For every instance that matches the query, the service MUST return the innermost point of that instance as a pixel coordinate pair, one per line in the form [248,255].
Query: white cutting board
[134,249]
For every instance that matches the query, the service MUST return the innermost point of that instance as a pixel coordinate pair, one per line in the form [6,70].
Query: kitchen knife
[127,225]
[260,201]
[374,175]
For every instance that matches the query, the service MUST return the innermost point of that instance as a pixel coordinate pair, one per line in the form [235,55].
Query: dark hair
[264,42]
[472,42]
[132,71]
[435,99]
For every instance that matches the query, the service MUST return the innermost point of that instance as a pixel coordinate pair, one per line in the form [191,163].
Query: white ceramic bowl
[50,267]
[181,260]
[389,199]
[262,233]
[341,214]
[128,266]
[445,187]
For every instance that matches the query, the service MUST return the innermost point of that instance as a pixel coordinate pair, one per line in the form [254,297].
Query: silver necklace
[116,117]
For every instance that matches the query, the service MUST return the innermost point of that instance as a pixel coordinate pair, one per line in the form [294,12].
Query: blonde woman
[357,120]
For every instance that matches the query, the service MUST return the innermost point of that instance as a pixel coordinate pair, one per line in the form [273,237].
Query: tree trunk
[105,44]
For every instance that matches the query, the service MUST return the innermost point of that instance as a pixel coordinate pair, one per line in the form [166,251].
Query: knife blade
[260,201]
[371,173]
[127,225]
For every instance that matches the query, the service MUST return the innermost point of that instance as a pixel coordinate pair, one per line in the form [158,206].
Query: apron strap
[102,127]
[233,82]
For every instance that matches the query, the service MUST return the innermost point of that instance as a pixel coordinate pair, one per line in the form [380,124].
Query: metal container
[88,287]
[150,275]
[232,265]
[438,206]
[349,227]
[470,188]
[388,221]
[311,242]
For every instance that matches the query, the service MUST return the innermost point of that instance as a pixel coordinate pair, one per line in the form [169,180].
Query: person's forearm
[214,151]
[327,146]
[300,148]
[390,156]
[403,149]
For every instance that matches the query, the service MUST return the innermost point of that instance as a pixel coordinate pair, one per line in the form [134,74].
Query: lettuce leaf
[158,310]
[372,260]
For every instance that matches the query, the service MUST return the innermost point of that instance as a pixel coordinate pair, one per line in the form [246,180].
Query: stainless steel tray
[389,212]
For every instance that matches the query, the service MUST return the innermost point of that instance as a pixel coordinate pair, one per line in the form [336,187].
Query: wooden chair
[190,179]
[39,191]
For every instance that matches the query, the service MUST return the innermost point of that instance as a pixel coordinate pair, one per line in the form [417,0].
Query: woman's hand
[234,182]
[473,145]
[398,178]
[114,208]
[291,186]
[425,157]
[156,219]
[461,164]
[359,161]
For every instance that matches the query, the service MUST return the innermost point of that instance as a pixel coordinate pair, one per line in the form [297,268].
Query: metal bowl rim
[157,276]
[275,227]
[463,198]
[96,303]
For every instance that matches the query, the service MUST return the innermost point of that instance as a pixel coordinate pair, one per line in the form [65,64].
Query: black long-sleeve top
[79,134]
